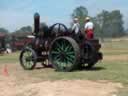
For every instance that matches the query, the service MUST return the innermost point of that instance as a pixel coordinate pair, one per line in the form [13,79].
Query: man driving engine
[76,26]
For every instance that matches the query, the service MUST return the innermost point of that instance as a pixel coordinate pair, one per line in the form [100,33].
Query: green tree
[117,28]
[97,27]
[3,30]
[102,21]
[111,24]
[24,31]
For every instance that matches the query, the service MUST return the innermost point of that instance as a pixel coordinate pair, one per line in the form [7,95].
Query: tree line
[107,23]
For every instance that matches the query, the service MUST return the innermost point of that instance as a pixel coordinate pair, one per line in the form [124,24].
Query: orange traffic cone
[5,71]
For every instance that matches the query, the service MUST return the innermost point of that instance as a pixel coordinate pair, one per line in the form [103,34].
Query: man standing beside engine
[89,28]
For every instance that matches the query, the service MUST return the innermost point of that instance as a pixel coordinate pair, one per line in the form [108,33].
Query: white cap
[87,18]
[75,19]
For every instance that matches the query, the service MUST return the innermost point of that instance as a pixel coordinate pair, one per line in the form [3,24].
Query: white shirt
[89,25]
[76,27]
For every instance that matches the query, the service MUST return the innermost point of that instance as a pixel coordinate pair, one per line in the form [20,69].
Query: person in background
[89,28]
[8,49]
[76,26]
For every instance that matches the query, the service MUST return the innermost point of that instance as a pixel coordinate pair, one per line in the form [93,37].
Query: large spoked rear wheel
[28,58]
[64,54]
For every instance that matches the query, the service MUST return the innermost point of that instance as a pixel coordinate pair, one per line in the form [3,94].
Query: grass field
[114,67]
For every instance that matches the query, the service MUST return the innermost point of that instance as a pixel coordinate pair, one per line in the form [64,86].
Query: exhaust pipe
[36,24]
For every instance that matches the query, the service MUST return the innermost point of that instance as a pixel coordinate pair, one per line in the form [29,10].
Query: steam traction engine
[60,47]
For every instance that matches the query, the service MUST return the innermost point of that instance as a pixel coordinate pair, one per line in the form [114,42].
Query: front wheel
[28,58]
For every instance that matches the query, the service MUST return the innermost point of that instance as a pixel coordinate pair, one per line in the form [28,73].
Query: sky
[17,13]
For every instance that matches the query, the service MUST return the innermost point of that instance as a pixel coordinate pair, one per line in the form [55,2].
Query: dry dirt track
[9,87]
[18,83]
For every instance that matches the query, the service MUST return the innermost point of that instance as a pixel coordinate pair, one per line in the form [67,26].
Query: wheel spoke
[25,54]
[62,46]
[58,46]
[69,59]
[29,53]
[28,64]
[56,57]
[55,52]
[58,61]
[68,48]
[58,49]
[25,57]
[67,63]
[72,56]
[70,53]
[64,63]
